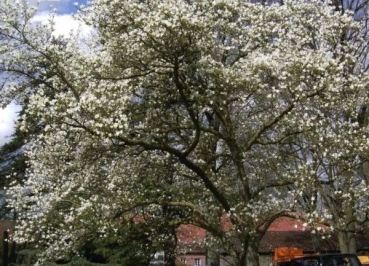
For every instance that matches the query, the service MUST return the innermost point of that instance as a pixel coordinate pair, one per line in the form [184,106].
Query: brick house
[190,245]
[284,232]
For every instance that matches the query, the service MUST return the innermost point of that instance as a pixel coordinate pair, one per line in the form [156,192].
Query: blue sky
[63,6]
[64,23]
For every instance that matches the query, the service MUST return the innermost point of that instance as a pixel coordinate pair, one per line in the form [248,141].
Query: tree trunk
[249,255]
[347,242]
[13,254]
[316,243]
[347,236]
[253,254]
[170,247]
[169,254]
[212,257]
[5,249]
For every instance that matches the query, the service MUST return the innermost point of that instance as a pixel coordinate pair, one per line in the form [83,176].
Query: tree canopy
[184,112]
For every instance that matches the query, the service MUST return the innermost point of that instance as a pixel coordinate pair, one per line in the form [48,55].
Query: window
[197,262]
[183,260]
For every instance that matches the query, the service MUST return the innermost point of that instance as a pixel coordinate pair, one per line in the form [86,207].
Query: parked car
[327,260]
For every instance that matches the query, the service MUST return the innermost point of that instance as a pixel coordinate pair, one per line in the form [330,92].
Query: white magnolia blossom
[224,108]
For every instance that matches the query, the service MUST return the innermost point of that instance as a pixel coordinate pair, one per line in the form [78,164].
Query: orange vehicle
[364,260]
[283,255]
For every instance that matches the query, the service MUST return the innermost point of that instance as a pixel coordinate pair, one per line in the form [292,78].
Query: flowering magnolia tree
[336,193]
[181,112]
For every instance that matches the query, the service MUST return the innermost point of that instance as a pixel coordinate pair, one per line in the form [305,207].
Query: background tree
[337,194]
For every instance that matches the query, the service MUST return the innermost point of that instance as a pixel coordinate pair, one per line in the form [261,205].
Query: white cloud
[7,118]
[64,24]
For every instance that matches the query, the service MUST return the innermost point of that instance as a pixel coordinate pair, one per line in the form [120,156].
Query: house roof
[191,238]
[296,239]
[188,233]
[283,232]
[282,224]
